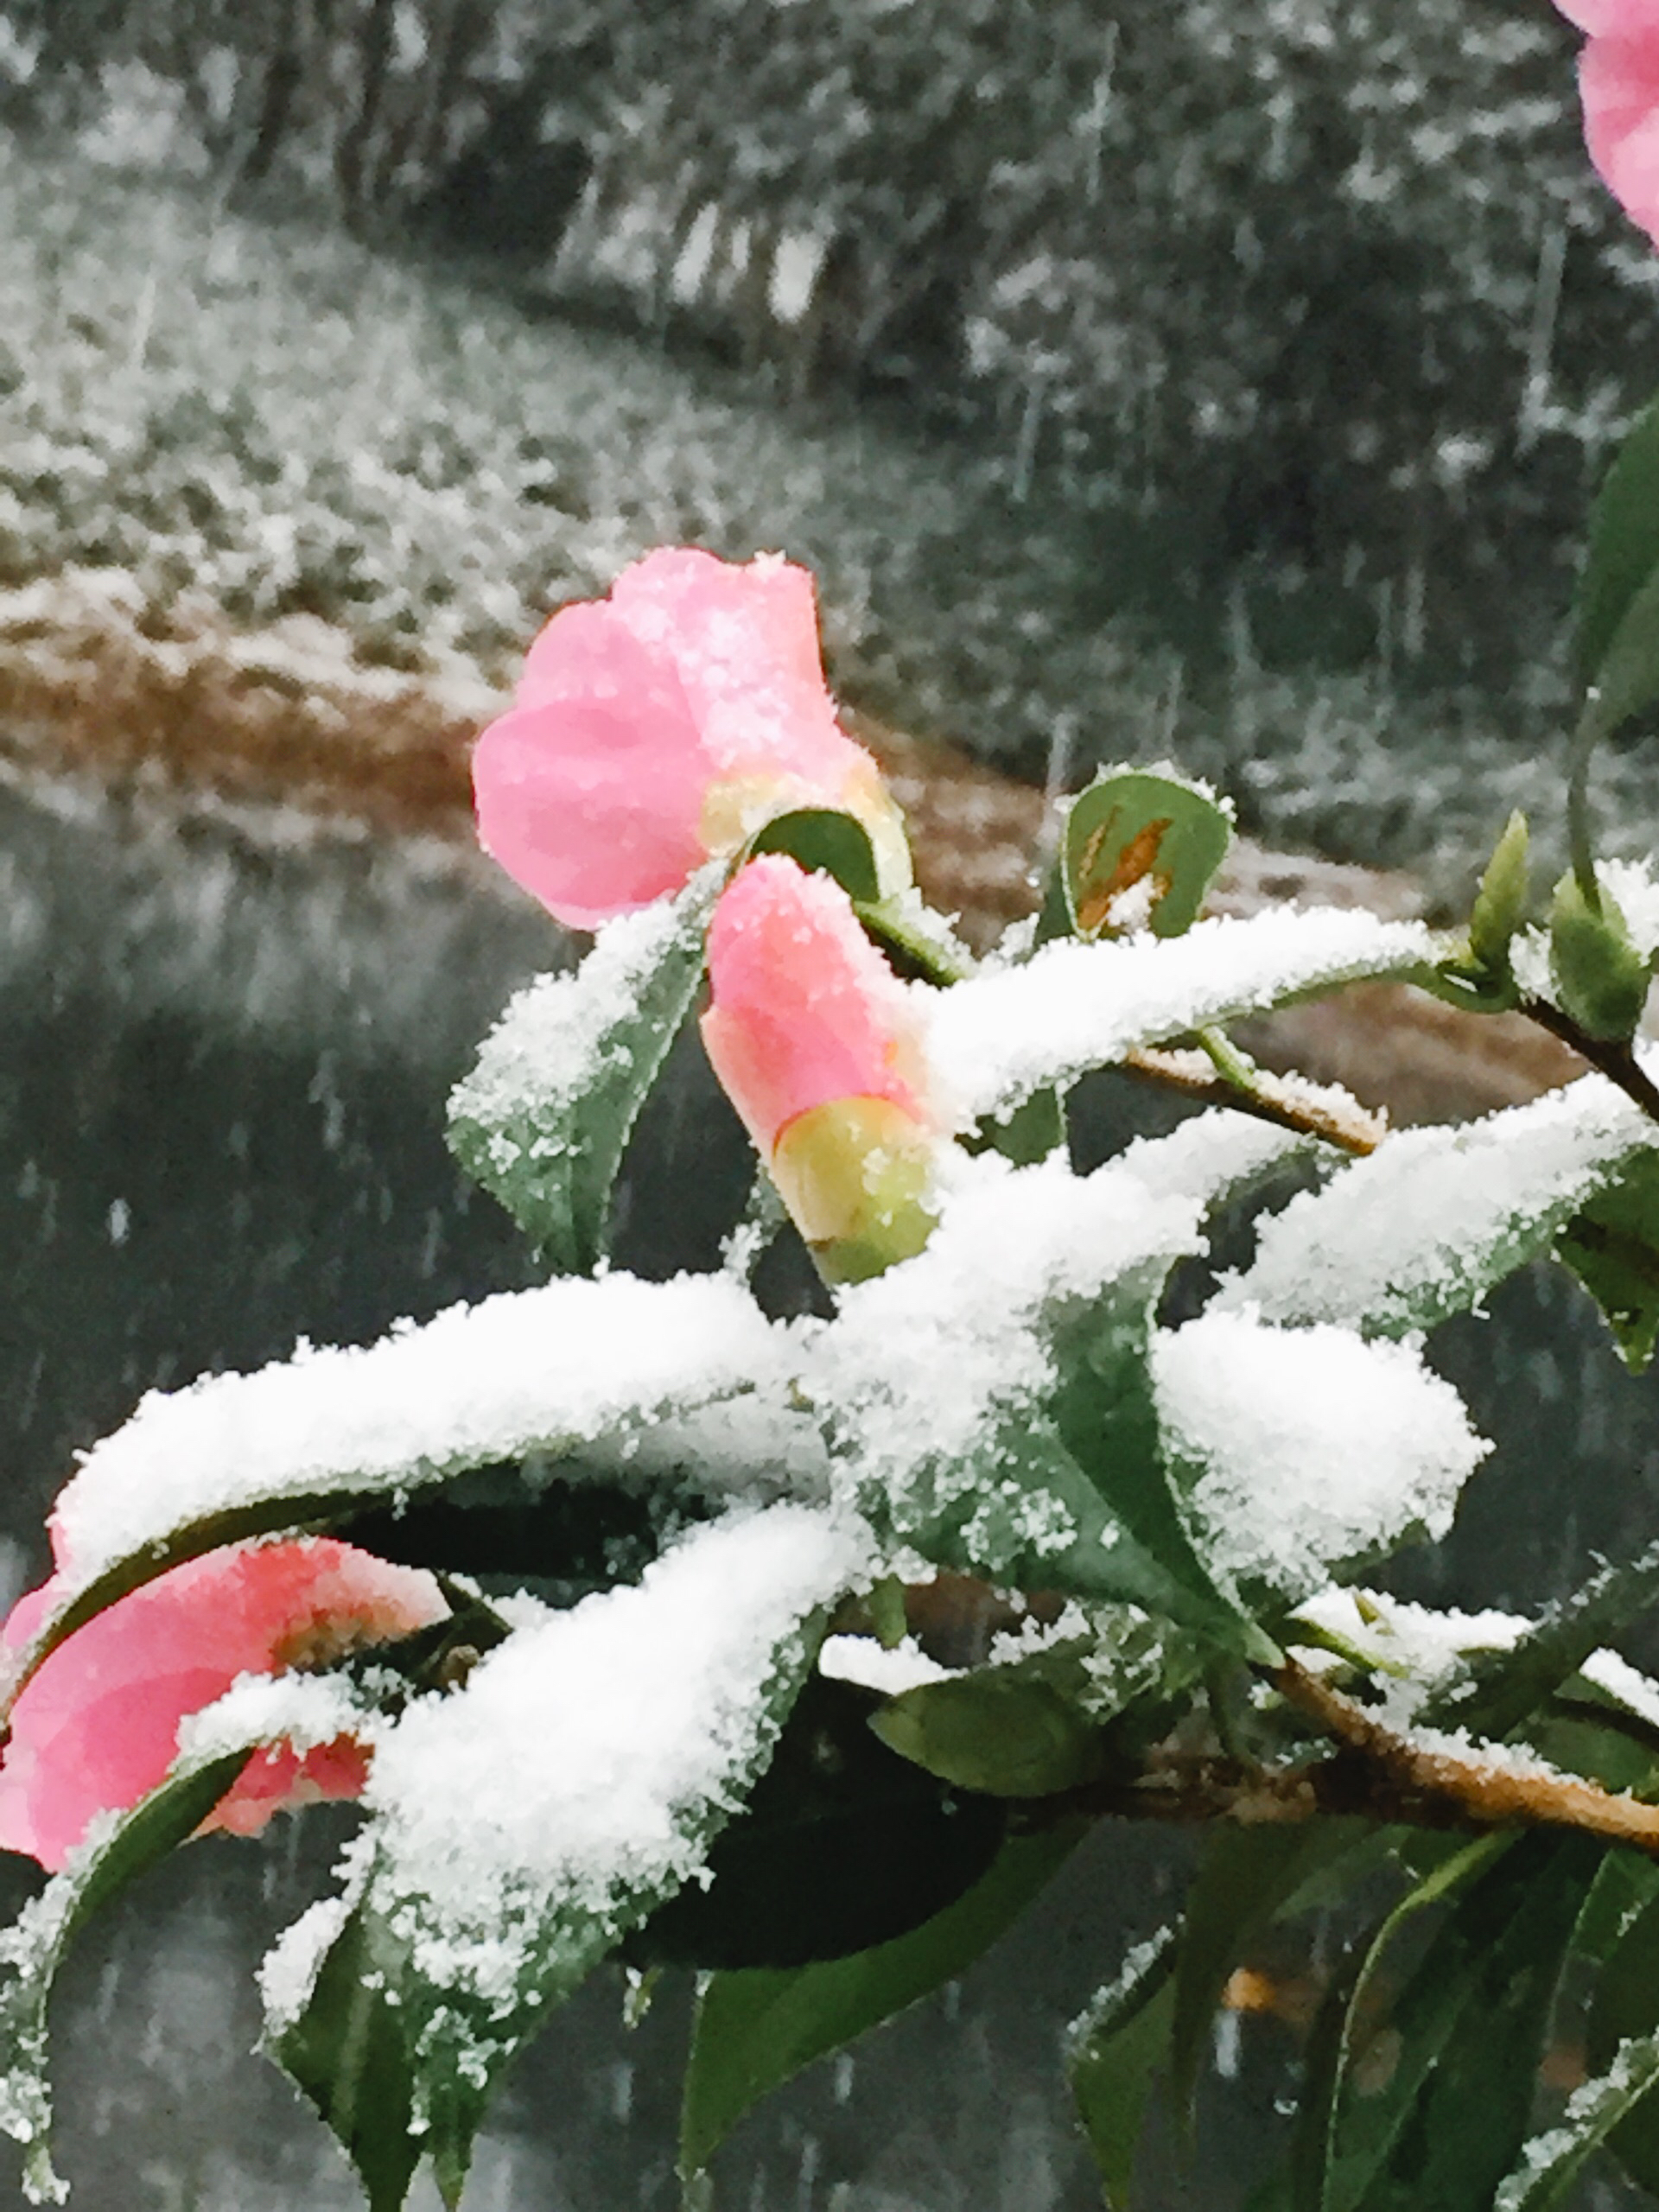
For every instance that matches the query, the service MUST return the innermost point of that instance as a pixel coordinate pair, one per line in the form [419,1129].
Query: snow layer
[1433,1218]
[1004,1034]
[584,1767]
[545,1369]
[1308,1446]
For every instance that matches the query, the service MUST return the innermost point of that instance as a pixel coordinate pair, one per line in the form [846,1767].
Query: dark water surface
[225,1048]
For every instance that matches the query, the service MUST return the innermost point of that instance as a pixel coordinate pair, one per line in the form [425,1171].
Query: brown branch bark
[1617,1061]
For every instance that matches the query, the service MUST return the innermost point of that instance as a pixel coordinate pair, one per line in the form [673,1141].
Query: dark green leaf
[843,1845]
[37,1945]
[1622,556]
[754,2032]
[1026,1135]
[1627,2005]
[1132,830]
[823,841]
[1627,1880]
[1433,2108]
[543,1123]
[1324,2175]
[995,1730]
[1614,1249]
[1496,1690]
[347,2051]
[1245,1877]
[1114,2055]
[1552,2163]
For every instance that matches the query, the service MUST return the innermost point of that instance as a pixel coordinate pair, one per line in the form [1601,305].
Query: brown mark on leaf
[1136,859]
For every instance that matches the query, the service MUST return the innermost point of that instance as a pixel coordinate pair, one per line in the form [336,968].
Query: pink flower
[1619,81]
[97,1728]
[661,725]
[815,1043]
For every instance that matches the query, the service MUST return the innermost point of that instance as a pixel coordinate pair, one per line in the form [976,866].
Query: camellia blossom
[96,1727]
[1619,81]
[662,727]
[817,1044]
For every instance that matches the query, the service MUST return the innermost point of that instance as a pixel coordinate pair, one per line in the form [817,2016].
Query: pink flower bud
[96,1727]
[1619,81]
[814,1040]
[661,725]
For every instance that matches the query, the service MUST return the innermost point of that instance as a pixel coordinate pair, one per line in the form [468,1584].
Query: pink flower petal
[97,1728]
[804,1010]
[650,729]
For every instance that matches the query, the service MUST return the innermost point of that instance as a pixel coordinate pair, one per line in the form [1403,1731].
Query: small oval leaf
[1139,850]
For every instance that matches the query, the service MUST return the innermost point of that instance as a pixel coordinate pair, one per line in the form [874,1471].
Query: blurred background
[1223,381]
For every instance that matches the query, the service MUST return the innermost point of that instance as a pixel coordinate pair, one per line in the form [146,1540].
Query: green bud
[1600,978]
[998,1732]
[1501,903]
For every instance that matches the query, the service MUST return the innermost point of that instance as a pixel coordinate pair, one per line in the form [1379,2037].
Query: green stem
[1580,845]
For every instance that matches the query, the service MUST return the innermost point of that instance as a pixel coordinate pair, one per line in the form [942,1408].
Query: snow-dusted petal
[1432,1220]
[1307,1447]
[547,1370]
[1008,1032]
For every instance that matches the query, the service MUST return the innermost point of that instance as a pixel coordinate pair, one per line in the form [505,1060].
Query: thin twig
[1615,1060]
[1288,1102]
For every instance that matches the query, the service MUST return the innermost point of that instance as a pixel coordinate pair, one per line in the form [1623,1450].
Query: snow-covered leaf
[519,1826]
[1007,1031]
[304,1710]
[545,1117]
[1552,2162]
[309,1440]
[1115,2051]
[990,1401]
[1435,1218]
[1306,1450]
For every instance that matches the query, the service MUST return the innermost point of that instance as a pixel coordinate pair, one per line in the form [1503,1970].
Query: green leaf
[823,841]
[483,1913]
[1113,2052]
[1612,1246]
[1500,905]
[842,1844]
[1626,2007]
[1324,2173]
[544,1118]
[1435,2108]
[347,2052]
[1029,1134]
[33,1948]
[1626,1882]
[1245,1877]
[1494,1692]
[1601,980]
[1151,841]
[1623,554]
[995,1730]
[754,2031]
[1552,2163]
